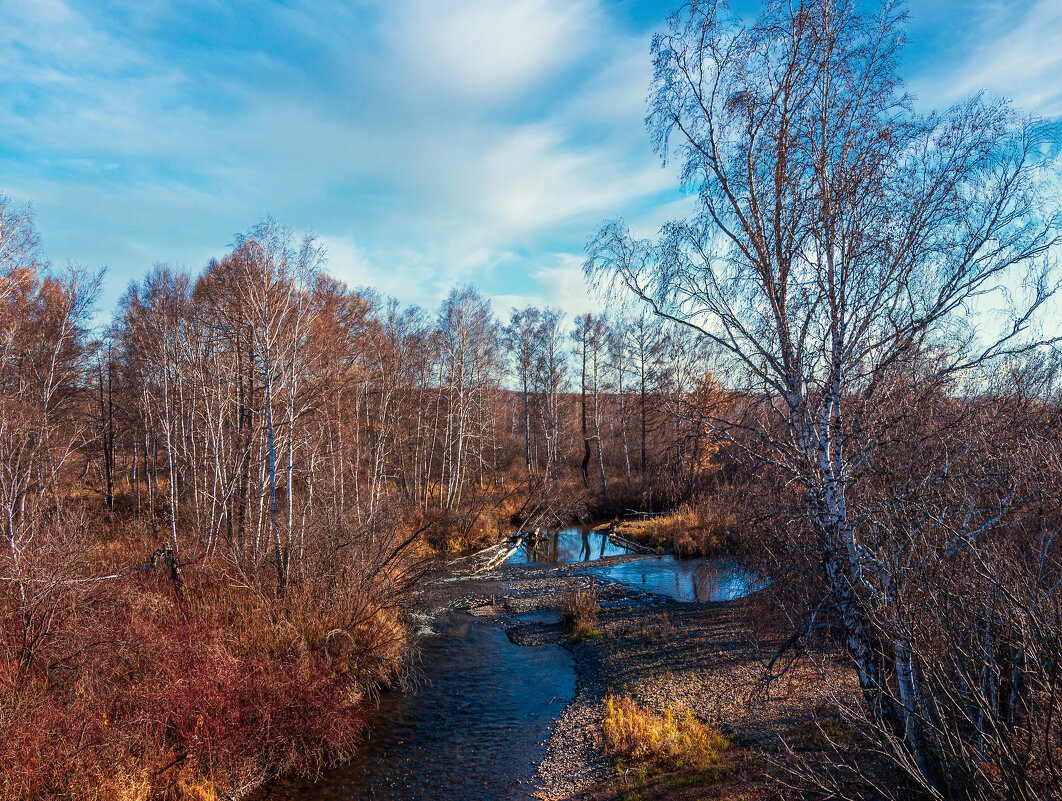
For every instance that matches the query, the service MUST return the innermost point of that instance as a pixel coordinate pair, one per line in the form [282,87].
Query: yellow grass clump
[633,732]
[690,530]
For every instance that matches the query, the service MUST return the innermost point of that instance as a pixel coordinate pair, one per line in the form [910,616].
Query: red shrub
[135,696]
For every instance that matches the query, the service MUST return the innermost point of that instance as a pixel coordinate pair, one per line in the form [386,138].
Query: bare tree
[581,338]
[840,239]
[278,275]
[470,352]
[645,344]
[522,341]
[619,366]
[44,352]
[590,343]
[551,381]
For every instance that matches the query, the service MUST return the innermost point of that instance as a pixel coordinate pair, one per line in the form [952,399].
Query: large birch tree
[840,241]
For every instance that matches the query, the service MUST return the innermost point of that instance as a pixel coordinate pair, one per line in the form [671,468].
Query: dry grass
[579,609]
[133,692]
[453,532]
[690,530]
[675,738]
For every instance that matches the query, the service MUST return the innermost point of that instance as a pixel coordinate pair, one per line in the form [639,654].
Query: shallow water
[685,580]
[681,579]
[474,729]
[477,724]
[568,546]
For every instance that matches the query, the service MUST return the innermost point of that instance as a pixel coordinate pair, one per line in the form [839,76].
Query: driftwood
[609,530]
[516,537]
[165,553]
[500,558]
[492,547]
[513,544]
[634,546]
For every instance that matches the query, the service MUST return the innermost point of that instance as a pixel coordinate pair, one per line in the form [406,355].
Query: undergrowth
[672,739]
[579,610]
[132,691]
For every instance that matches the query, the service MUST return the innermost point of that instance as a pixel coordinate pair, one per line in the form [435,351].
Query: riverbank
[510,706]
[666,654]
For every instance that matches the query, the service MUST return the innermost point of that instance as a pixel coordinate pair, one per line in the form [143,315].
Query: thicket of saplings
[214,509]
[977,609]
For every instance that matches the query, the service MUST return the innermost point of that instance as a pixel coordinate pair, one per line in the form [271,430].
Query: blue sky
[427,143]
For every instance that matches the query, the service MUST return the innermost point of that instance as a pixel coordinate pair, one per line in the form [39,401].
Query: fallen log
[626,543]
[491,547]
[500,559]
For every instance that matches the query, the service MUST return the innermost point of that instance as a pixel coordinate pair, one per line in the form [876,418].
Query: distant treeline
[262,400]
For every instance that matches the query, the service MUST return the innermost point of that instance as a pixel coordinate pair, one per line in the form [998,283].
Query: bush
[453,532]
[579,610]
[675,737]
[134,693]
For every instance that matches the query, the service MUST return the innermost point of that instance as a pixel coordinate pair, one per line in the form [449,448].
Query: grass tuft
[675,737]
[579,609]
[585,635]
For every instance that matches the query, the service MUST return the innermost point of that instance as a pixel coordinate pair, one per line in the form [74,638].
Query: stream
[474,728]
[680,579]
[685,579]
[475,725]
[568,546]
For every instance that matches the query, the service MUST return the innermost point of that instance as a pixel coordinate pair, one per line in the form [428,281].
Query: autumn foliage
[214,509]
[135,693]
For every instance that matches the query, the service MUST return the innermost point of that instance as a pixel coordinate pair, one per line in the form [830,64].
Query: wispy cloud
[430,143]
[1011,50]
[439,137]
[486,51]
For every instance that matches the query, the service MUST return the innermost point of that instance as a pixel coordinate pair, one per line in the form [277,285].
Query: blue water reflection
[568,546]
[685,580]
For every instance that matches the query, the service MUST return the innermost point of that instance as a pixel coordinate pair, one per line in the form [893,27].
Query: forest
[239,479]
[219,505]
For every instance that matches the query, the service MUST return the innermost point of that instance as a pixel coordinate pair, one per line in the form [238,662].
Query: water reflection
[683,580]
[568,546]
[689,580]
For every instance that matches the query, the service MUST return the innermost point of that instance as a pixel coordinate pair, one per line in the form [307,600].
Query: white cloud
[433,143]
[537,178]
[1016,52]
[564,286]
[484,49]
